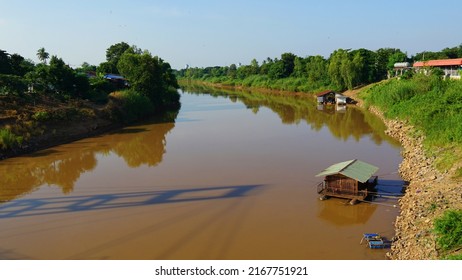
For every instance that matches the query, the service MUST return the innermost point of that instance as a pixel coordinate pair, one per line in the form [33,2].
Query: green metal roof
[354,169]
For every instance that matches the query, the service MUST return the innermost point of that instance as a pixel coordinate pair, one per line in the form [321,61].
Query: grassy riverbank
[433,106]
[424,113]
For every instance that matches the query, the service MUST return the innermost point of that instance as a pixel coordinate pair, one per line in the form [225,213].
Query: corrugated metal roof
[324,93]
[439,62]
[114,76]
[355,169]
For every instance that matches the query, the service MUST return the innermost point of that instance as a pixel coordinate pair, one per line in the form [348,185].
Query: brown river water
[229,177]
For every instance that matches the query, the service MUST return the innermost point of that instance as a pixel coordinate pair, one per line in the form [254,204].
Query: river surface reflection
[231,176]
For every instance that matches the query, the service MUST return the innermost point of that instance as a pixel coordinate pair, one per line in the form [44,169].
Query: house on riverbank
[451,67]
[118,80]
[331,97]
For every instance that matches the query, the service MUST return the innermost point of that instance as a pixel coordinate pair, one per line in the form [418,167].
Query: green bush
[9,140]
[41,116]
[449,230]
[454,257]
[135,105]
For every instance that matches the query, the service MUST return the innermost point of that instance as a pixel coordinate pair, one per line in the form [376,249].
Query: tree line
[343,69]
[147,75]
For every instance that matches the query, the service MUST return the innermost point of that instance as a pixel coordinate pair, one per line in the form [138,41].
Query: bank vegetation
[49,102]
[425,114]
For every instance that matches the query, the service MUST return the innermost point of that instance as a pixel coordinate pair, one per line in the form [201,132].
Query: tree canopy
[343,69]
[150,76]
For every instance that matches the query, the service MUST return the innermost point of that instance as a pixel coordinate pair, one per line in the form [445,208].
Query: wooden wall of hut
[340,184]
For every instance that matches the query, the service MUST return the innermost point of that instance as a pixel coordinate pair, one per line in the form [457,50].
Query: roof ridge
[350,163]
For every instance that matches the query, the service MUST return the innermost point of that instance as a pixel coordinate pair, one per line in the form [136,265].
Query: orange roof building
[439,62]
[451,67]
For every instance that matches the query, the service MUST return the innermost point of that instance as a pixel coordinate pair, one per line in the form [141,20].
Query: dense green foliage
[148,75]
[113,54]
[343,69]
[454,52]
[449,230]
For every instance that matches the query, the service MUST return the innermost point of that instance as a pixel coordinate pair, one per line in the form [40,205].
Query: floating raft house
[349,179]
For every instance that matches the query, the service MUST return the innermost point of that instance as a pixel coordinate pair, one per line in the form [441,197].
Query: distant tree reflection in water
[63,165]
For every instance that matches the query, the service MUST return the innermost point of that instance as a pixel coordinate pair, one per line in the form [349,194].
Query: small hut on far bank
[331,97]
[325,97]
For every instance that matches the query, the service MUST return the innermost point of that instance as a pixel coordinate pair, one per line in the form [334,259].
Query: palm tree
[42,55]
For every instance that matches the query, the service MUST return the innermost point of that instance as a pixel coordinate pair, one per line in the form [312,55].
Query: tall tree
[43,55]
[316,70]
[288,63]
[61,76]
[5,63]
[254,67]
[335,65]
[151,76]
[299,67]
[232,70]
[18,64]
[113,54]
[363,63]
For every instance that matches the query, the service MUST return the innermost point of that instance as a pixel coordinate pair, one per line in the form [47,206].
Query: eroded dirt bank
[428,195]
[49,122]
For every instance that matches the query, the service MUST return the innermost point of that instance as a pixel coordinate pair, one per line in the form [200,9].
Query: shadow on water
[388,192]
[58,205]
[12,255]
[63,165]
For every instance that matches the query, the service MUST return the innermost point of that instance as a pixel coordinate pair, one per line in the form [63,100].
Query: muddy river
[230,176]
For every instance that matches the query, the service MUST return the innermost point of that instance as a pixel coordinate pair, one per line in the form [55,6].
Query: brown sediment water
[232,177]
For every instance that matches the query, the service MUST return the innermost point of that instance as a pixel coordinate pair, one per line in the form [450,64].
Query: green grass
[449,232]
[433,106]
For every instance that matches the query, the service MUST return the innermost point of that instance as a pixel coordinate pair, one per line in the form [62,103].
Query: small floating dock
[349,179]
[375,241]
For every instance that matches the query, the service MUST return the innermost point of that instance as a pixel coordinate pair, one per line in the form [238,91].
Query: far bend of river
[232,177]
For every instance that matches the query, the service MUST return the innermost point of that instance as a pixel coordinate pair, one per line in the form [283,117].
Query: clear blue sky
[208,33]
